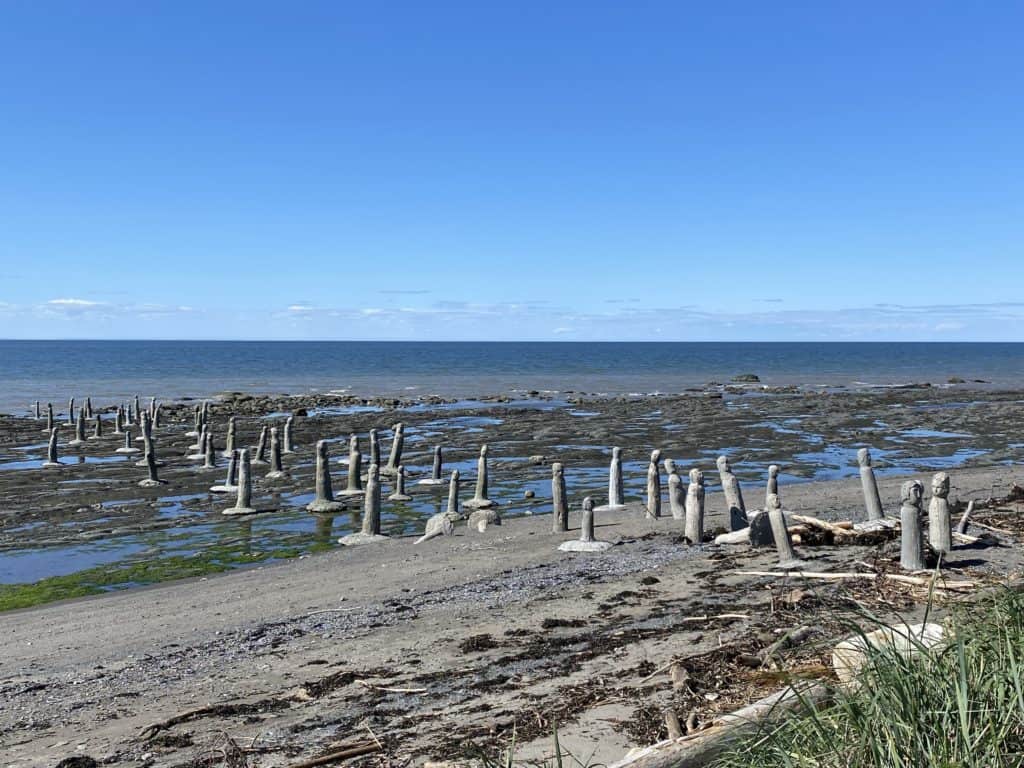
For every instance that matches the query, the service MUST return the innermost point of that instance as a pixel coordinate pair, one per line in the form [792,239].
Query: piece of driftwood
[698,749]
[355,750]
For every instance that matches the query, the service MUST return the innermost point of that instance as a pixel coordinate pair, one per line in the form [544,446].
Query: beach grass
[958,705]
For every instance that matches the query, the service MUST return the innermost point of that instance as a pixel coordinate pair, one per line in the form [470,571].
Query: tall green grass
[960,705]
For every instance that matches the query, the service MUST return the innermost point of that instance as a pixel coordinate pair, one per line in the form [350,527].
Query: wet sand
[443,648]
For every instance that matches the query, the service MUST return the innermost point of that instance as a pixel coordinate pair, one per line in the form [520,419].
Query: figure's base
[128,451]
[584,546]
[144,463]
[610,508]
[147,483]
[239,511]
[479,504]
[355,539]
[350,492]
[223,489]
[76,442]
[52,464]
[789,565]
[399,497]
[432,481]
[323,506]
[277,476]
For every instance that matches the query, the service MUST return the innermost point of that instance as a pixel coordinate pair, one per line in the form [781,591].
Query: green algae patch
[105,578]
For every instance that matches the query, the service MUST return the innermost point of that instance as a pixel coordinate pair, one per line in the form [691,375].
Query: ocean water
[115,370]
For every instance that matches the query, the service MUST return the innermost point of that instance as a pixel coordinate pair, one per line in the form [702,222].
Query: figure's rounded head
[864,457]
[697,476]
[723,464]
[773,470]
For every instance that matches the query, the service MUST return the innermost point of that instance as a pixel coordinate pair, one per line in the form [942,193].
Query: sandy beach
[456,647]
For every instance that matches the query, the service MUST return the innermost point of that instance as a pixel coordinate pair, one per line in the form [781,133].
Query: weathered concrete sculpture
[276,468]
[654,486]
[289,446]
[147,444]
[39,413]
[88,407]
[210,460]
[374,440]
[229,445]
[440,524]
[371,513]
[261,448]
[127,448]
[97,429]
[131,415]
[152,410]
[243,503]
[153,480]
[483,518]
[480,500]
[119,421]
[51,451]
[676,492]
[435,475]
[354,486]
[400,494]
[146,428]
[939,525]
[71,412]
[79,429]
[453,495]
[230,485]
[783,543]
[616,496]
[872,501]
[198,451]
[397,442]
[324,499]
[772,487]
[733,495]
[49,417]
[694,526]
[911,540]
[559,503]
[196,422]
[138,410]
[586,541]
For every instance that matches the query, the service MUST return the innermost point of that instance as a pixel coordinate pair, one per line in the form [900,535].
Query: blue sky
[528,170]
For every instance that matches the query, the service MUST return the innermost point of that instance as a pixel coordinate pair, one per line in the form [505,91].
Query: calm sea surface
[56,370]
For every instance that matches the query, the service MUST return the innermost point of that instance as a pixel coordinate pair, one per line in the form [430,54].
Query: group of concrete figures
[768,526]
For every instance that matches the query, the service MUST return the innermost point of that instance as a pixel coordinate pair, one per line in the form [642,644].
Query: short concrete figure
[940,535]
[71,412]
[654,486]
[694,525]
[276,467]
[209,453]
[243,502]
[153,480]
[230,484]
[911,540]
[138,410]
[127,448]
[869,486]
[147,446]
[676,491]
[229,445]
[39,413]
[783,543]
[88,407]
[453,495]
[374,440]
[119,421]
[324,493]
[49,417]
[559,503]
[733,494]
[399,493]
[586,541]
[480,500]
[371,513]
[97,429]
[51,450]
[157,407]
[196,422]
[435,474]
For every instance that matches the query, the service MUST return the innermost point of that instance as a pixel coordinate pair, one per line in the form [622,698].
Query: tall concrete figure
[119,421]
[616,497]
[453,496]
[230,485]
[243,502]
[911,541]
[399,492]
[97,429]
[654,486]
[324,500]
[276,467]
[39,414]
[586,541]
[694,526]
[229,444]
[127,448]
[559,504]
[289,446]
[371,513]
[374,439]
[210,460]
[397,442]
[88,407]
[355,469]
[79,429]
[49,417]
[676,492]
[940,535]
[772,488]
[71,412]
[153,480]
[435,475]
[51,451]
[733,495]
[261,448]
[783,543]
[868,484]
[480,499]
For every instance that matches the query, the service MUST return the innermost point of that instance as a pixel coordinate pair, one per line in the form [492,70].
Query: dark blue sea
[115,370]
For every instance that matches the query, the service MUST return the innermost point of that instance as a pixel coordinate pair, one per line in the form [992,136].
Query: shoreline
[403,616]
